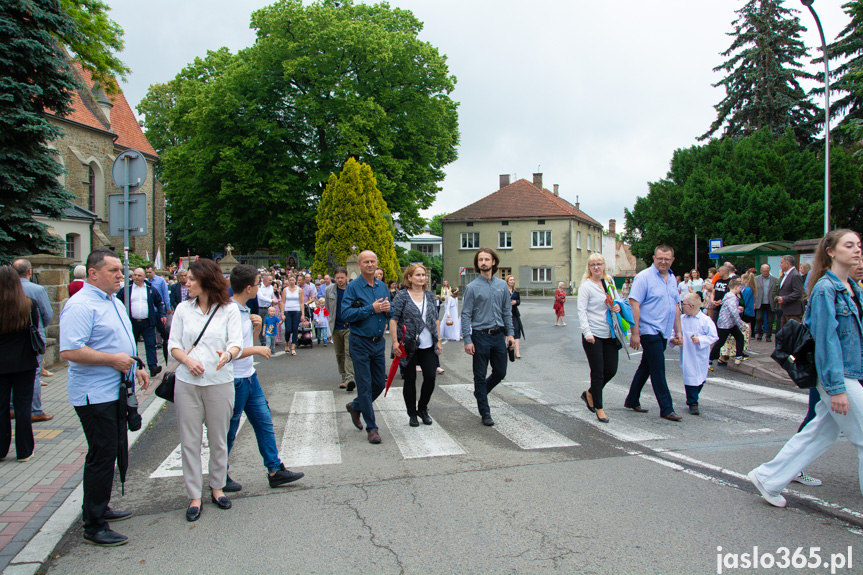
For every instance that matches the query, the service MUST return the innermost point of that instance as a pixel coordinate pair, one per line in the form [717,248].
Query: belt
[136,319]
[370,338]
[491,330]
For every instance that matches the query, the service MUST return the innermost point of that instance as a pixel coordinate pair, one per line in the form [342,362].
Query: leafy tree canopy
[353,213]
[435,225]
[755,189]
[763,73]
[95,41]
[263,129]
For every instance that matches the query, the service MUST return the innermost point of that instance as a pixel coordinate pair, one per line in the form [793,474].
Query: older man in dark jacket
[790,298]
[145,309]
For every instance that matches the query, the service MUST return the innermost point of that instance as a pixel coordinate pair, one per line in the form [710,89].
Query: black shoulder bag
[36,339]
[166,388]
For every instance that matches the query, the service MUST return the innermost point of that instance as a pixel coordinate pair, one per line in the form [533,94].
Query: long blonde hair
[596,257]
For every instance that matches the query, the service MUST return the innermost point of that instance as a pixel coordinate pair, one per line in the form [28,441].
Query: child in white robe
[699,334]
[450,325]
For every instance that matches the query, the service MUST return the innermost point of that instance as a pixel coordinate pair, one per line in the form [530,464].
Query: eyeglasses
[595,265]
[663,260]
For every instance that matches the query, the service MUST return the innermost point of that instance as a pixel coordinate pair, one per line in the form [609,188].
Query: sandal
[293,352]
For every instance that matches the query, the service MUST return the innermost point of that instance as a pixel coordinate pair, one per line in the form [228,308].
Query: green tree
[264,129]
[763,73]
[35,77]
[435,225]
[754,189]
[95,41]
[353,213]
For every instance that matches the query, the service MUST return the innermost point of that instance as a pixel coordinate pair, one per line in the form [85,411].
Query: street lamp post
[808,4]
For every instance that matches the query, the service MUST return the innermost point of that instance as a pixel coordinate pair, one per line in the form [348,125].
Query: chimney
[611,225]
[576,203]
[537,180]
[504,180]
[556,191]
[104,103]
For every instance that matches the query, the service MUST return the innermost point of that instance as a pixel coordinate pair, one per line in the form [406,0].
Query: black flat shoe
[584,399]
[106,538]
[602,419]
[114,515]
[193,513]
[424,416]
[223,502]
[413,421]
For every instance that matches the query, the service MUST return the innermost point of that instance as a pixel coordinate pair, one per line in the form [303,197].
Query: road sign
[715,244]
[137,170]
[462,271]
[137,214]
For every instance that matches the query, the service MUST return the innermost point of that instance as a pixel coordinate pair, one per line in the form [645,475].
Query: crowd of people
[212,327]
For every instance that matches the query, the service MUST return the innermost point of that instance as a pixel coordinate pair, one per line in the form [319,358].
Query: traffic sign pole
[126,237]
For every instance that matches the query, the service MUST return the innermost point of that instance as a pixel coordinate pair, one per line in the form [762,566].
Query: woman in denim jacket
[834,320]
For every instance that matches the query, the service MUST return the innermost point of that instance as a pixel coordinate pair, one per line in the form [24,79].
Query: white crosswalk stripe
[312,434]
[414,442]
[521,429]
[173,464]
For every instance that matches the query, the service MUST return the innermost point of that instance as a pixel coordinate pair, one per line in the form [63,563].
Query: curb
[753,370]
[38,550]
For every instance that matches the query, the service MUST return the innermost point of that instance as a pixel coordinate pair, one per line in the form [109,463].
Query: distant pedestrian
[730,323]
[266,292]
[366,307]
[38,294]
[271,328]
[834,321]
[80,274]
[292,303]
[517,327]
[697,283]
[765,284]
[146,310]
[450,327]
[698,334]
[18,363]
[626,288]
[322,320]
[486,327]
[339,329]
[559,301]
[790,298]
[160,285]
[656,318]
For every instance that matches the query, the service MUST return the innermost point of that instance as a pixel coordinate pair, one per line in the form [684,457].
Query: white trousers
[818,435]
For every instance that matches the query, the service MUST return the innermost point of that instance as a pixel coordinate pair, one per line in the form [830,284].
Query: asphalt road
[548,489]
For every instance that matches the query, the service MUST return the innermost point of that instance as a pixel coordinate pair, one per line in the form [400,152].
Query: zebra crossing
[311,431]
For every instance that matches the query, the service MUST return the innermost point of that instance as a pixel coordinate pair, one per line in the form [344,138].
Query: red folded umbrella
[395,364]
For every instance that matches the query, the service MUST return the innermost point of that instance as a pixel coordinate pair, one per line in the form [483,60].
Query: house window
[425,249]
[469,240]
[70,246]
[540,222]
[540,239]
[504,240]
[91,189]
[588,242]
[505,223]
[578,240]
[541,275]
[504,273]
[470,224]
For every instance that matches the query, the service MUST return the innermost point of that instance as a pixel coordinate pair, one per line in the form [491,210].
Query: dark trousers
[164,334]
[602,359]
[370,374]
[292,327]
[143,328]
[692,393]
[723,336]
[764,320]
[814,398]
[427,359]
[652,365]
[20,385]
[487,349]
[101,428]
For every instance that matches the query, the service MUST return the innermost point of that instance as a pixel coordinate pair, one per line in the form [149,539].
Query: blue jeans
[292,327]
[653,365]
[271,343]
[487,349]
[370,373]
[249,397]
[321,331]
[692,392]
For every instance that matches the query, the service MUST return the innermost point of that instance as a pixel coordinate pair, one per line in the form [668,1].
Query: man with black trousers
[147,311]
[96,339]
[486,326]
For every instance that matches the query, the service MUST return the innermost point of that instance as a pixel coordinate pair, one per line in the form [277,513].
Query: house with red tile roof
[99,128]
[541,238]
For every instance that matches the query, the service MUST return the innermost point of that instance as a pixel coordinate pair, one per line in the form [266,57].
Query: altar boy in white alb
[699,334]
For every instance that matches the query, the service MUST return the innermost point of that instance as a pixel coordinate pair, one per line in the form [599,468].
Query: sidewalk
[31,492]
[759,364]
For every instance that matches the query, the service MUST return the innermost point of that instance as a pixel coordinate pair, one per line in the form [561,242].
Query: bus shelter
[762,252]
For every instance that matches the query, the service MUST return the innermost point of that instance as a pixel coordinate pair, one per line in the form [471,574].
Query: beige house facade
[541,238]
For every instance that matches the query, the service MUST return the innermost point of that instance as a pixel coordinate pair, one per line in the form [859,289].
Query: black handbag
[795,352]
[169,380]
[36,338]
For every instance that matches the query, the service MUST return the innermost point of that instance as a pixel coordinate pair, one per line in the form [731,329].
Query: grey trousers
[198,405]
[341,339]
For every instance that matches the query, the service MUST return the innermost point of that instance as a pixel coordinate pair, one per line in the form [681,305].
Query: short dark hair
[490,252]
[340,270]
[21,266]
[243,276]
[96,259]
[663,248]
[149,267]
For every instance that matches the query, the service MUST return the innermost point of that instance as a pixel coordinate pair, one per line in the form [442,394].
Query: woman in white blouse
[600,345]
[204,391]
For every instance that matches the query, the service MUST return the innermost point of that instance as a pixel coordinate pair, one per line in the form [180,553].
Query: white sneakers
[775,500]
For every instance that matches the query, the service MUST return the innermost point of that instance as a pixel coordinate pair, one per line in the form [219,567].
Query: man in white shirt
[146,310]
[265,298]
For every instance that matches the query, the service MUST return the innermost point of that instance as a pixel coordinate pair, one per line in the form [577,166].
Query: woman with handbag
[834,321]
[18,363]
[204,388]
[559,300]
[595,299]
[517,328]
[414,308]
[292,304]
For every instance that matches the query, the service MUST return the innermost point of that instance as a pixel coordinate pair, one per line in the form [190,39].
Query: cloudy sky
[595,95]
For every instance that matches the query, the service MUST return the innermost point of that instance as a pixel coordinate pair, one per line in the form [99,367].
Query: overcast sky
[595,95]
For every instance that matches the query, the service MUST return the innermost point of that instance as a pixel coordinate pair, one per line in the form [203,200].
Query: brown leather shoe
[41,417]
[355,416]
[671,417]
[637,408]
[374,436]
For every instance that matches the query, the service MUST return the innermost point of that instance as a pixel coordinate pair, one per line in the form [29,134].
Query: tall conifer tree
[763,73]
[352,212]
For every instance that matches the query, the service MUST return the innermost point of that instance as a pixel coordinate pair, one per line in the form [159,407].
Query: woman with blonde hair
[599,343]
